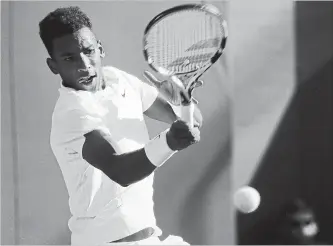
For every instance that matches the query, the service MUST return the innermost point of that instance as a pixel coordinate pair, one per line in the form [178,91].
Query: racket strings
[185,41]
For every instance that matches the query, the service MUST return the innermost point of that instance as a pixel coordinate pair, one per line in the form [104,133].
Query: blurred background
[282,107]
[270,125]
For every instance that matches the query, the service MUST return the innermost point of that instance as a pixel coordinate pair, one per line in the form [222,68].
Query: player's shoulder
[113,73]
[71,102]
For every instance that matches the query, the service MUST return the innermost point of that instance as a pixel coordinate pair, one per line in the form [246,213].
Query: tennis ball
[247,199]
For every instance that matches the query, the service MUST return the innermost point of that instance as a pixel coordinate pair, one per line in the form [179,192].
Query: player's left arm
[155,106]
[161,110]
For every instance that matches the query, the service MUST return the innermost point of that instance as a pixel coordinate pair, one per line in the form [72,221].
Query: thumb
[195,101]
[198,83]
[195,85]
[152,79]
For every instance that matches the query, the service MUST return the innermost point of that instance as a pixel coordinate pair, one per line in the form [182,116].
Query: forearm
[197,116]
[161,111]
[128,168]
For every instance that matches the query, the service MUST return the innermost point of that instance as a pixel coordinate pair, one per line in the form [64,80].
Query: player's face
[77,59]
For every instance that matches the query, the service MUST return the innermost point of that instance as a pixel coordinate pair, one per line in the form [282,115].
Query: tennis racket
[182,43]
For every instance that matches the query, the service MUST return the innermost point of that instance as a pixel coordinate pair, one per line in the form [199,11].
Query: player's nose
[84,65]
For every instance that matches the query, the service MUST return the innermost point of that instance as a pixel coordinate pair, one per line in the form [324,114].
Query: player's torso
[120,108]
[95,200]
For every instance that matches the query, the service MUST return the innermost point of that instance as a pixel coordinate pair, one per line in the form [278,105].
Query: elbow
[123,183]
[121,179]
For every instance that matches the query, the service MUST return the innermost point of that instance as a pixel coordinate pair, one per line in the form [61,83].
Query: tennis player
[100,139]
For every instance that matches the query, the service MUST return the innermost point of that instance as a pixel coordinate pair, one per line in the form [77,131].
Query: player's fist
[181,135]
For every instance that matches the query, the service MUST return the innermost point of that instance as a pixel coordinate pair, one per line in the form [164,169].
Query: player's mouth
[87,80]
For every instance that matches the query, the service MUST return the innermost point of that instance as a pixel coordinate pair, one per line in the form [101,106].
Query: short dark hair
[60,22]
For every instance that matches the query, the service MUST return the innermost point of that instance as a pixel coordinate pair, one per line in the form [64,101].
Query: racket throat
[189,78]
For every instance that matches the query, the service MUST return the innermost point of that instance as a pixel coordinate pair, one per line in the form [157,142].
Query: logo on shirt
[71,151]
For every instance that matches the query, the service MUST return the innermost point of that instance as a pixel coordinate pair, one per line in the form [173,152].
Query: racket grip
[187,114]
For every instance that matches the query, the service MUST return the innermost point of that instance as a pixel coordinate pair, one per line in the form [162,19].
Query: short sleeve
[71,125]
[79,123]
[67,137]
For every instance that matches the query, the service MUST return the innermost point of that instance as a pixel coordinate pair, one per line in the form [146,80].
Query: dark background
[298,161]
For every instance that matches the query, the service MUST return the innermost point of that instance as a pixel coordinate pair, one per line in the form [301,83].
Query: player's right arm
[126,169]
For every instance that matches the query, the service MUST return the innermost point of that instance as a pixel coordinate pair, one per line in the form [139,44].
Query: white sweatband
[158,150]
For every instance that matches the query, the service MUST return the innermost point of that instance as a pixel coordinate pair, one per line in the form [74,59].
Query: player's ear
[101,49]
[52,65]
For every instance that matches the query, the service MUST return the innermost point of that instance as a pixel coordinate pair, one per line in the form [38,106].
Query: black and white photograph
[132,122]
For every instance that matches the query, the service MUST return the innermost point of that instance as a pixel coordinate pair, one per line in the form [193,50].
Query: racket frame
[194,74]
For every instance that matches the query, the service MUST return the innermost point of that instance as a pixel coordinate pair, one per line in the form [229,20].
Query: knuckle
[196,131]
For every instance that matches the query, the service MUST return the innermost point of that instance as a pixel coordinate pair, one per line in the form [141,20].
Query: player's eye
[89,51]
[68,58]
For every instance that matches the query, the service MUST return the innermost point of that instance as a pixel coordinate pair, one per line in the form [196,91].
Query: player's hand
[170,91]
[181,135]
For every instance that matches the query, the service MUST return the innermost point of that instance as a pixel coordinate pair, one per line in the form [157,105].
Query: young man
[99,136]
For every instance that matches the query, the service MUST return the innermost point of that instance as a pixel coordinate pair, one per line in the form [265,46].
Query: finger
[198,83]
[180,85]
[190,91]
[195,85]
[196,134]
[178,82]
[186,98]
[152,79]
[197,124]
[195,101]
[197,138]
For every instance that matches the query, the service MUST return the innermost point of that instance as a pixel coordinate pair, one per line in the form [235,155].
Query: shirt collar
[110,79]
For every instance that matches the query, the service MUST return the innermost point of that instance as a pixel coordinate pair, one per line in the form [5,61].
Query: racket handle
[187,114]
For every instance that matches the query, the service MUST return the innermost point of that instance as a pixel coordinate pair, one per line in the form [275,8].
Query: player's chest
[116,104]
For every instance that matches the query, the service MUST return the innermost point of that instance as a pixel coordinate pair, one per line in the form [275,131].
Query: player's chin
[88,85]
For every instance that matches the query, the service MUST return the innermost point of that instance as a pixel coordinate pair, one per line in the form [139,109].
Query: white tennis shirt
[103,211]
